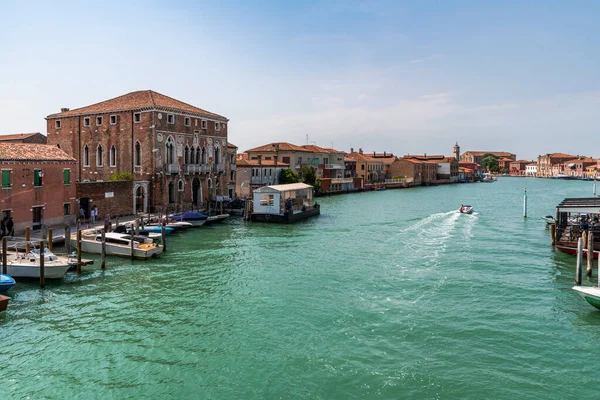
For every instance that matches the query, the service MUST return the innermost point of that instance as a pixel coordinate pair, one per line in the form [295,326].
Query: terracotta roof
[264,163]
[231,145]
[142,99]
[17,136]
[521,162]
[417,160]
[283,146]
[561,155]
[386,160]
[425,156]
[361,157]
[583,160]
[496,153]
[317,149]
[533,163]
[505,159]
[383,155]
[32,152]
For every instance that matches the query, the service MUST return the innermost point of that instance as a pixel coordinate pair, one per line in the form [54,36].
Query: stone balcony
[172,169]
[205,168]
[192,168]
[219,167]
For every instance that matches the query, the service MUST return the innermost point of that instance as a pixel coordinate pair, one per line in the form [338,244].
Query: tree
[287,176]
[309,176]
[490,162]
[121,176]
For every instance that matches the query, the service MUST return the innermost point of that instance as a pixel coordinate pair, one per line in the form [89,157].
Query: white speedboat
[176,225]
[27,265]
[215,219]
[489,178]
[466,209]
[549,219]
[117,244]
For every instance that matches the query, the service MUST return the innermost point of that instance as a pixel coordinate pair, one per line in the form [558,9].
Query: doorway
[37,217]
[196,192]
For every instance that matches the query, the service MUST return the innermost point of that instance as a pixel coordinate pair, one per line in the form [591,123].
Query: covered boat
[6,282]
[117,244]
[192,217]
[284,203]
[576,215]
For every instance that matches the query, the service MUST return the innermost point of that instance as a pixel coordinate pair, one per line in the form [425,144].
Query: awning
[583,205]
[283,188]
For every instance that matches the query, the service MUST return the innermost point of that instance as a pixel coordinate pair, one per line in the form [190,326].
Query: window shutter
[6,179]
[36,177]
[67,176]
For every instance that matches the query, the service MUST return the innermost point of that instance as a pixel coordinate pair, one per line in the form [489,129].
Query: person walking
[81,214]
[93,215]
[10,227]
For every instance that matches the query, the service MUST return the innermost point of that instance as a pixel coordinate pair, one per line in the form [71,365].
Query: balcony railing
[205,168]
[341,180]
[192,168]
[220,167]
[172,168]
[265,180]
[334,166]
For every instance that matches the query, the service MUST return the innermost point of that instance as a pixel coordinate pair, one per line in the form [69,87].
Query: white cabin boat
[117,244]
[284,203]
[27,265]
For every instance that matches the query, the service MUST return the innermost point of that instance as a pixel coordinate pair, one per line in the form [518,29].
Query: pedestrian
[81,214]
[93,215]
[10,227]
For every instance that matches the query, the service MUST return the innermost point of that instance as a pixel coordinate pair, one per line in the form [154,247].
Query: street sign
[109,194]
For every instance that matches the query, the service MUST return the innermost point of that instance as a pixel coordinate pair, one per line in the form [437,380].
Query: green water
[385,295]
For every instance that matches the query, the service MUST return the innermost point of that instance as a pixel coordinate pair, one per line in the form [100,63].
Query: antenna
[307,138]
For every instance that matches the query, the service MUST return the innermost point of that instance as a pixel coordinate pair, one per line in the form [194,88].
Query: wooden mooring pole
[78,251]
[103,251]
[553,233]
[579,259]
[163,236]
[68,239]
[27,238]
[590,253]
[525,204]
[131,243]
[42,266]
[4,257]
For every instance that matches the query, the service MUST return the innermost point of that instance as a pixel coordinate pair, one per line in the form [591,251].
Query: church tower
[457,151]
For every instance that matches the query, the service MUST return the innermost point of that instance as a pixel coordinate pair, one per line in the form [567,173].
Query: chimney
[374,154]
[384,153]
[360,151]
[351,149]
[425,155]
[64,109]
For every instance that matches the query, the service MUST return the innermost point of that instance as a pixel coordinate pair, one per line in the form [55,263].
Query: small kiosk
[284,203]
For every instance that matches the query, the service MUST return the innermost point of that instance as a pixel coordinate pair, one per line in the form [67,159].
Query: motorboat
[465,209]
[23,264]
[216,219]
[169,223]
[590,294]
[117,244]
[549,219]
[6,282]
[148,231]
[195,218]
[489,178]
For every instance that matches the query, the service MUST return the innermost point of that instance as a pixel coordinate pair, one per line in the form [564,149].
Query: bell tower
[457,151]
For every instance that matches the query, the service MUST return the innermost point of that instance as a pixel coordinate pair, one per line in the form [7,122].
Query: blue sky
[406,77]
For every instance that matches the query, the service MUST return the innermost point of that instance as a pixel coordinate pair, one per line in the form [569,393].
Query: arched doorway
[140,194]
[171,192]
[196,192]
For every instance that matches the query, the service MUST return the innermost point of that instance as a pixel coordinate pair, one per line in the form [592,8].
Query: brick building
[518,167]
[34,137]
[38,185]
[423,172]
[477,156]
[547,161]
[177,153]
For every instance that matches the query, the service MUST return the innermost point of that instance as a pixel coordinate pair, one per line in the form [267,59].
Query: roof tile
[32,152]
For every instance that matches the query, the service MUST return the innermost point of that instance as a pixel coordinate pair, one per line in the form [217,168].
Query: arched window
[86,156]
[232,176]
[198,156]
[113,156]
[180,185]
[203,155]
[171,192]
[137,158]
[99,155]
[209,183]
[170,150]
[217,155]
[187,155]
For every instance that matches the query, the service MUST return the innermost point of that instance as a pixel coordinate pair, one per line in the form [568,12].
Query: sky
[397,76]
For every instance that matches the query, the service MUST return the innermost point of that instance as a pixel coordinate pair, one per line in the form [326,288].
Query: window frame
[137,117]
[100,160]
[67,173]
[99,121]
[171,119]
[86,156]
[111,119]
[58,124]
[203,124]
[112,161]
[187,121]
[87,122]
[9,186]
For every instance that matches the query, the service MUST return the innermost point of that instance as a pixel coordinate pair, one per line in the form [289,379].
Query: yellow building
[369,168]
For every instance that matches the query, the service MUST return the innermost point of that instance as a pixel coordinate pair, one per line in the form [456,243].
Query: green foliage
[287,176]
[490,162]
[121,176]
[398,177]
[504,171]
[309,176]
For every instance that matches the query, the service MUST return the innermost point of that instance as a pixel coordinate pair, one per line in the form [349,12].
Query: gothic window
[86,156]
[99,155]
[113,156]
[203,155]
[138,154]
[187,155]
[170,150]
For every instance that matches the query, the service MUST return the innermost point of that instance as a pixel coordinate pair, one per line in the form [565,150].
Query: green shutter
[67,176]
[36,177]
[6,179]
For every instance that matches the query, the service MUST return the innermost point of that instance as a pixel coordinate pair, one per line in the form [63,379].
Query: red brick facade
[178,154]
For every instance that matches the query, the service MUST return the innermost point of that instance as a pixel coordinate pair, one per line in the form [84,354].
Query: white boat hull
[51,270]
[95,247]
[590,294]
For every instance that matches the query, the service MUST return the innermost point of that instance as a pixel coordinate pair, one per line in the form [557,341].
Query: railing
[334,166]
[192,168]
[266,180]
[341,180]
[219,167]
[205,168]
[172,168]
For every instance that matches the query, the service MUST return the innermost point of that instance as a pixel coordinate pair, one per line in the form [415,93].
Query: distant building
[368,168]
[34,137]
[517,168]
[422,172]
[546,163]
[477,156]
[447,167]
[531,169]
[577,168]
[38,185]
[255,173]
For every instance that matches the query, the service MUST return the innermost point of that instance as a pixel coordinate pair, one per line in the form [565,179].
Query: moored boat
[549,219]
[590,294]
[23,264]
[284,203]
[216,219]
[6,282]
[117,244]
[195,218]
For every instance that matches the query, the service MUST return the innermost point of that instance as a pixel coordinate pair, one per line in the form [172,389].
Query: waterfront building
[34,137]
[255,173]
[329,163]
[577,167]
[422,172]
[531,169]
[175,152]
[517,168]
[38,185]
[477,156]
[388,159]
[447,167]
[547,163]
[504,163]
[232,154]
[368,168]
